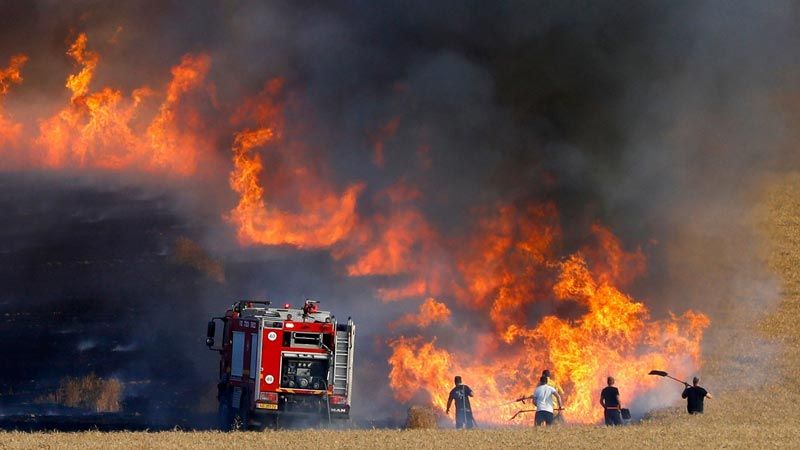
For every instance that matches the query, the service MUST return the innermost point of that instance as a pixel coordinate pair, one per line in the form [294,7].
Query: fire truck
[281,364]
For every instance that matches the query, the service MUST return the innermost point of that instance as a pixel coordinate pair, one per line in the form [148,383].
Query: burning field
[489,191]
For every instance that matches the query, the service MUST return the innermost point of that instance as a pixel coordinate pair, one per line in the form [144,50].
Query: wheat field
[764,417]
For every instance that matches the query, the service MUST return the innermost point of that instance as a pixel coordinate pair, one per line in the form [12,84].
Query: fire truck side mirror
[210,333]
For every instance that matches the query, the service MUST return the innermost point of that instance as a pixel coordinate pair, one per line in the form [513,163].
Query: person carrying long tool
[543,398]
[694,396]
[460,394]
[559,419]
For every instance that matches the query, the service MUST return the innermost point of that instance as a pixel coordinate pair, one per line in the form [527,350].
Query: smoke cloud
[657,120]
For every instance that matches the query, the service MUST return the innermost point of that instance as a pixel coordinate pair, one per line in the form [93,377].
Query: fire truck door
[244,355]
[237,354]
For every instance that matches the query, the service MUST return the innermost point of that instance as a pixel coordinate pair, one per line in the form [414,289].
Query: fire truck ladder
[343,358]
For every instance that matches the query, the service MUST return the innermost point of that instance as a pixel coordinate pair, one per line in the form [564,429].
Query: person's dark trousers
[470,422]
[613,417]
[543,417]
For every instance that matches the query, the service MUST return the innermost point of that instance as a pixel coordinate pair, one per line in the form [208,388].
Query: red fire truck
[282,363]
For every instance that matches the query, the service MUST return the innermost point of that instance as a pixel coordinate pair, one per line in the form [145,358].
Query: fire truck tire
[264,422]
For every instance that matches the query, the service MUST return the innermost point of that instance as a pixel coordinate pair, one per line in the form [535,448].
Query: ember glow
[496,300]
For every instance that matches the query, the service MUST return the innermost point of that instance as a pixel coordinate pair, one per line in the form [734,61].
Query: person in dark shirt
[694,396]
[460,394]
[609,398]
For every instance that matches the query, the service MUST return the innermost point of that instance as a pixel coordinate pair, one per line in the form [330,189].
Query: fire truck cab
[282,363]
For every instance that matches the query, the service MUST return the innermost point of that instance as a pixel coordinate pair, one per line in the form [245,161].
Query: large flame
[387,243]
[511,267]
[103,129]
[430,312]
[175,148]
[322,216]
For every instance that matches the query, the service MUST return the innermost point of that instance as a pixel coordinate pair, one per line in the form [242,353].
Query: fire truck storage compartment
[304,371]
[307,339]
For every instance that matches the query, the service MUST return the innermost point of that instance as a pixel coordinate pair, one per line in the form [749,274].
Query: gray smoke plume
[656,119]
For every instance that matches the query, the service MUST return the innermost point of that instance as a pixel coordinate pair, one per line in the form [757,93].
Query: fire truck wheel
[264,422]
[271,422]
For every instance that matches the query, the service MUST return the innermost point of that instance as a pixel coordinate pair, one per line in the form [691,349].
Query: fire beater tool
[661,373]
[533,410]
[521,399]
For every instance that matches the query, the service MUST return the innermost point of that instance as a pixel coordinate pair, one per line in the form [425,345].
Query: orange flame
[173,149]
[430,312]
[324,217]
[78,83]
[10,131]
[511,266]
[12,74]
[97,128]
[385,244]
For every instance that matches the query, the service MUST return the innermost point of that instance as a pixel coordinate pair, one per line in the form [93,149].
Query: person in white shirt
[543,399]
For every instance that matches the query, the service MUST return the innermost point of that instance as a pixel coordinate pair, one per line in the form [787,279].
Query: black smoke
[654,118]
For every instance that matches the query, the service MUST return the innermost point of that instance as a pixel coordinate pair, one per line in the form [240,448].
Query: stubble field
[764,416]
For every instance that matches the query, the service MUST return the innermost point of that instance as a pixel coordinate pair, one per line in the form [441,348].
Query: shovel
[661,373]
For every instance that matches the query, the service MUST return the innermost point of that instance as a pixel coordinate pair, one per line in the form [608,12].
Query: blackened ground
[88,284]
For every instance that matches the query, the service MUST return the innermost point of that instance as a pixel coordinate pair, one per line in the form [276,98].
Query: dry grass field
[764,417]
